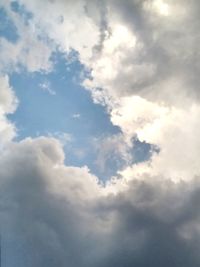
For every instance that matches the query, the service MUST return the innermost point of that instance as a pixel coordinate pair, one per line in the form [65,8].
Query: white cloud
[173,130]
[147,78]
[159,6]
[8,104]
[76,115]
[112,150]
[8,101]
[67,25]
[30,51]
[46,86]
[64,138]
[140,68]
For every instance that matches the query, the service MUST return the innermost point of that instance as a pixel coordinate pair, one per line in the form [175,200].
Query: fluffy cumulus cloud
[142,57]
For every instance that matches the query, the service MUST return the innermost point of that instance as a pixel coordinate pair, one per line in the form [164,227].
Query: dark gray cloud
[57,216]
[150,226]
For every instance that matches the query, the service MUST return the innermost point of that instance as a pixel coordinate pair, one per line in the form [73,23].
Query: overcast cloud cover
[141,60]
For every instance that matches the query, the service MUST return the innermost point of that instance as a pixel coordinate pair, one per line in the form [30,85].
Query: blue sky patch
[8,29]
[55,104]
[21,10]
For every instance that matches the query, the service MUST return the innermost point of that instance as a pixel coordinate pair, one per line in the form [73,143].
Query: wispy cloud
[46,86]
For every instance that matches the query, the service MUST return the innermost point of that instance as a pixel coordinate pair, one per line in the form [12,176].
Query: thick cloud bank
[142,60]
[61,215]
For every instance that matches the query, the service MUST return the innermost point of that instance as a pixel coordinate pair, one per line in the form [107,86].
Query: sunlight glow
[120,36]
[161,7]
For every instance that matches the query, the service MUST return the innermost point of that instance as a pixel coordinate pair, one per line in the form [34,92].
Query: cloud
[8,100]
[113,152]
[173,130]
[34,206]
[64,138]
[143,59]
[76,116]
[8,104]
[29,51]
[46,86]
[69,27]
[131,48]
[56,212]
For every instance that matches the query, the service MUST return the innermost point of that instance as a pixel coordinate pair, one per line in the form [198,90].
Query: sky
[99,133]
